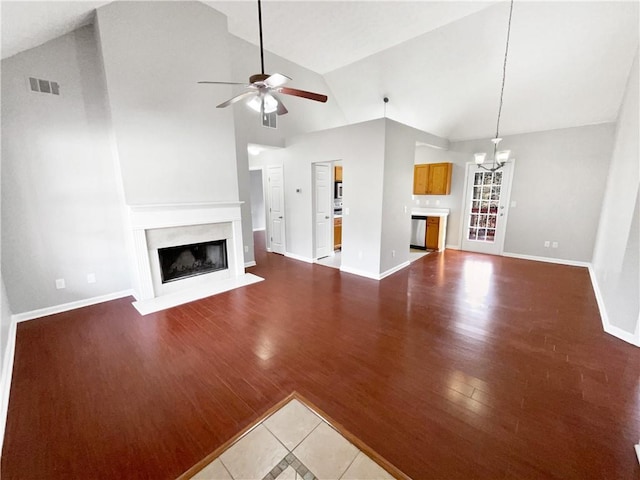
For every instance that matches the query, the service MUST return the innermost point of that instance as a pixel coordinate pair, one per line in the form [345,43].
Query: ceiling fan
[263,88]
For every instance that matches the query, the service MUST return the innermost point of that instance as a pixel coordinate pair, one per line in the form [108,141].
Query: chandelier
[500,157]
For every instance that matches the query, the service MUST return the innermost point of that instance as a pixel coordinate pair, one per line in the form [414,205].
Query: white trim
[65,307]
[506,196]
[452,247]
[393,270]
[5,380]
[560,261]
[259,229]
[373,276]
[637,447]
[360,273]
[298,257]
[606,325]
[250,264]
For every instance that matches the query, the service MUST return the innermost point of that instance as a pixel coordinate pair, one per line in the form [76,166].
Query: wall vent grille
[44,86]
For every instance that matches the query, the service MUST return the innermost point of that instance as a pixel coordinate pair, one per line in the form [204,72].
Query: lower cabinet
[433,233]
[337,233]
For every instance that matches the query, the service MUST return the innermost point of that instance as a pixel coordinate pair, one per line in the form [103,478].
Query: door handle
[280,216]
[326,217]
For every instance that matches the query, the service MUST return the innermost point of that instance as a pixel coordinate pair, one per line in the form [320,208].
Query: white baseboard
[360,273]
[259,229]
[249,264]
[606,325]
[452,247]
[393,270]
[299,257]
[65,307]
[374,276]
[637,447]
[5,379]
[559,261]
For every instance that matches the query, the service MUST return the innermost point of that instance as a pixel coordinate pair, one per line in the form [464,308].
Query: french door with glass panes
[486,207]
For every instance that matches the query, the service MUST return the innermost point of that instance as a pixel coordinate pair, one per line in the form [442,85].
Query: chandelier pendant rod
[504,74]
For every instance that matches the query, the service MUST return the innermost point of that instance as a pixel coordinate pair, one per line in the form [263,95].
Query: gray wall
[257,200]
[173,144]
[615,260]
[304,115]
[61,206]
[377,160]
[558,186]
[399,153]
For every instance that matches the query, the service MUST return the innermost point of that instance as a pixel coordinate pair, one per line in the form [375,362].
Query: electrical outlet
[346,211]
[554,245]
[547,243]
[60,283]
[91,278]
[437,202]
[393,253]
[246,249]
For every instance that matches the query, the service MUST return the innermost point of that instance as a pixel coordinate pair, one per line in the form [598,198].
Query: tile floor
[293,443]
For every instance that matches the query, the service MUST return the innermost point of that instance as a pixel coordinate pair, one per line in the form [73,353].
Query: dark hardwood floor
[461,366]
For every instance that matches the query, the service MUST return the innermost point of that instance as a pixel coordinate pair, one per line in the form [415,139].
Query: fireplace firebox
[191,260]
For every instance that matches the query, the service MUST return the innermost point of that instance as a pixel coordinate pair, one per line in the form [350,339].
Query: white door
[275,181]
[322,210]
[486,207]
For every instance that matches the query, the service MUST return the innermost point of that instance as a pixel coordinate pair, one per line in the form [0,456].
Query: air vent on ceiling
[44,86]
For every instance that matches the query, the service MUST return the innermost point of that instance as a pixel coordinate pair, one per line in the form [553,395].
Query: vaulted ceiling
[440,63]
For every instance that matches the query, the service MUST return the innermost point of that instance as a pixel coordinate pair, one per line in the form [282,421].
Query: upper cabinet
[432,179]
[338,174]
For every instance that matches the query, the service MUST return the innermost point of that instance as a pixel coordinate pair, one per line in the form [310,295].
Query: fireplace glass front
[191,260]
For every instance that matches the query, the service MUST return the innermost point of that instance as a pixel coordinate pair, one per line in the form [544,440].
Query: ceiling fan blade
[281,108]
[225,83]
[235,99]
[302,93]
[276,80]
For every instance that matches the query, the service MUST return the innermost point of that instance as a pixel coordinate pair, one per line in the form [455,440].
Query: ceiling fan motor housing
[258,77]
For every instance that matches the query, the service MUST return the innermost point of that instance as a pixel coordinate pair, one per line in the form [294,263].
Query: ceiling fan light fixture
[255,103]
[270,103]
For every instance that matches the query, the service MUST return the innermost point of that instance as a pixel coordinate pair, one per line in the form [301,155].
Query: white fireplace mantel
[156,216]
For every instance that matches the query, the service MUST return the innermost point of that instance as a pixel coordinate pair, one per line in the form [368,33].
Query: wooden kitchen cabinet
[433,233]
[337,233]
[432,179]
[338,174]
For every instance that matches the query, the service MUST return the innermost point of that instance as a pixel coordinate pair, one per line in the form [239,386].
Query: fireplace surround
[157,228]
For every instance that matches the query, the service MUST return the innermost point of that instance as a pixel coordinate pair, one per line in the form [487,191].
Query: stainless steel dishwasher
[418,232]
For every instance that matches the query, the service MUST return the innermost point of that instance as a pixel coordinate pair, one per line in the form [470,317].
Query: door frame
[465,199]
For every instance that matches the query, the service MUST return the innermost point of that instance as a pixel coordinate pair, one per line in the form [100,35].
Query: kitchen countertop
[430,212]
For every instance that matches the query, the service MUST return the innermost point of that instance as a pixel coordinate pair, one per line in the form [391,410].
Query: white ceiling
[440,63]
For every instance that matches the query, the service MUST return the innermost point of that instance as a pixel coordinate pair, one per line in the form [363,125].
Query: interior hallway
[460,366]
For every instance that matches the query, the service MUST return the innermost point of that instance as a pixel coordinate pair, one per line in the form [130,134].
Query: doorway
[485,209]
